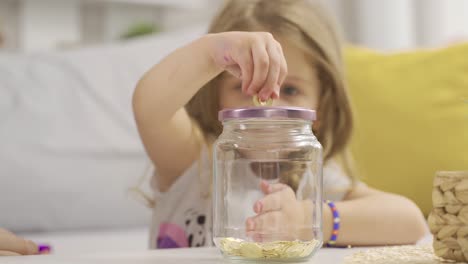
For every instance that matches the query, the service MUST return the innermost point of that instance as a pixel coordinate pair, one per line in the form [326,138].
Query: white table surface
[168,256]
[128,247]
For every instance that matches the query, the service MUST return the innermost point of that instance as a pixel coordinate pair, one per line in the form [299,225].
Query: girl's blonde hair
[309,26]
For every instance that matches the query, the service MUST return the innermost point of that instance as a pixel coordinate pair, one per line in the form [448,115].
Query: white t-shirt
[182,216]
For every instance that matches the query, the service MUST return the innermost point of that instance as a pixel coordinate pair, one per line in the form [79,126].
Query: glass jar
[267,202]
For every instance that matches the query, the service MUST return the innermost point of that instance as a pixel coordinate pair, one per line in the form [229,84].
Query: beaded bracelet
[336,224]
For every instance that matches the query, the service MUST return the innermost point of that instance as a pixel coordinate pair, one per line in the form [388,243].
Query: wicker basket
[448,220]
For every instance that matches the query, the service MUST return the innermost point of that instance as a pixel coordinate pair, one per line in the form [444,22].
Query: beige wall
[33,25]
[30,25]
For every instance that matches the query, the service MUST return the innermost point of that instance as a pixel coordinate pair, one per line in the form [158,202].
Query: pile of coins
[235,247]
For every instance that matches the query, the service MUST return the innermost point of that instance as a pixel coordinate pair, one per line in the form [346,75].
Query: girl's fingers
[283,65]
[271,87]
[265,223]
[261,63]
[275,201]
[244,68]
[268,188]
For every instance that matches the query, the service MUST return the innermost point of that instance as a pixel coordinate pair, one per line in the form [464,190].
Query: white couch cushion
[69,145]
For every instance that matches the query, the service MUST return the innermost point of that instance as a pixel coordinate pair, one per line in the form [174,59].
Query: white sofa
[69,146]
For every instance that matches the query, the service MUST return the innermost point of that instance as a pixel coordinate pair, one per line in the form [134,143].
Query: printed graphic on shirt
[195,228]
[171,235]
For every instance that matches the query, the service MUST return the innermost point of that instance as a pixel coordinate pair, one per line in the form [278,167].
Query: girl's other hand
[12,245]
[278,212]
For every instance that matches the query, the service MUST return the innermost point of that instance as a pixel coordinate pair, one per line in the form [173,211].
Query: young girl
[286,50]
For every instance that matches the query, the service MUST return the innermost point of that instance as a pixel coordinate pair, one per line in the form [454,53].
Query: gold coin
[251,250]
[258,102]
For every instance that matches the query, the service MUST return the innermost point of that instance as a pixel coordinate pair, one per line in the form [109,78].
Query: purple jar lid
[267,112]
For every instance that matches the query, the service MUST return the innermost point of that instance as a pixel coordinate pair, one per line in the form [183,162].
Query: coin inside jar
[258,102]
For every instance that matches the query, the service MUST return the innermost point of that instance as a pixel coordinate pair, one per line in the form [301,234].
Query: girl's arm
[367,217]
[372,217]
[159,98]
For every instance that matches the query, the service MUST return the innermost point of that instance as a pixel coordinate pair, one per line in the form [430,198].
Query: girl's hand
[11,245]
[279,212]
[254,57]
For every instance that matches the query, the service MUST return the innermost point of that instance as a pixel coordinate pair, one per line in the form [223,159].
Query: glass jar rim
[267,112]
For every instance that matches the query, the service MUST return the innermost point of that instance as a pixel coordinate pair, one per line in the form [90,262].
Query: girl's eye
[290,91]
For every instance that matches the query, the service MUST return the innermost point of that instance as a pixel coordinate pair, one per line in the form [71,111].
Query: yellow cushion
[411,117]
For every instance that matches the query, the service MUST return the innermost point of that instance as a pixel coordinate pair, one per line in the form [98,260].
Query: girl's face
[300,89]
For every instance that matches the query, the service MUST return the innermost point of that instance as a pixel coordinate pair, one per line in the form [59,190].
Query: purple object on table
[44,248]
